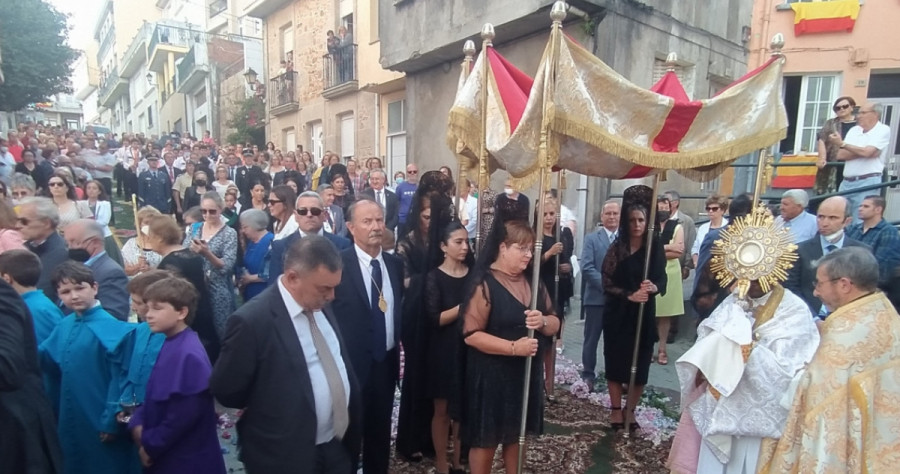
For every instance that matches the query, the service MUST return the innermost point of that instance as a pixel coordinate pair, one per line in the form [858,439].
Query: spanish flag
[824,16]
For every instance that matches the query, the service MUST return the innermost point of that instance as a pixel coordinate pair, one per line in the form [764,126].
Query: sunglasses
[56,184]
[275,201]
[210,212]
[841,107]
[712,209]
[413,172]
[315,211]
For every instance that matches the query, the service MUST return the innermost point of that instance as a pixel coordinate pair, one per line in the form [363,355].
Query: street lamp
[150,79]
[250,76]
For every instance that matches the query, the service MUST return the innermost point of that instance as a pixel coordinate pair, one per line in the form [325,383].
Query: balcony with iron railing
[283,93]
[168,39]
[340,72]
[193,68]
[217,6]
[111,87]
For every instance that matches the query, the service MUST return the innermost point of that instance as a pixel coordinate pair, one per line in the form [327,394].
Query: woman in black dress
[496,319]
[559,293]
[443,296]
[165,238]
[430,212]
[626,289]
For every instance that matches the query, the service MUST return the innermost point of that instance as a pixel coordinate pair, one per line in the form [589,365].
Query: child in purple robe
[176,426]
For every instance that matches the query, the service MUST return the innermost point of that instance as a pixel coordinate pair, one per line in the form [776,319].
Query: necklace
[382,303]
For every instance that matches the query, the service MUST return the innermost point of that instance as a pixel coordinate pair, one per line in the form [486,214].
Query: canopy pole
[560,187]
[487,36]
[461,171]
[557,14]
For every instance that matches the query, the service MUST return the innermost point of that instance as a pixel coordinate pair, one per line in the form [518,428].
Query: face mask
[200,182]
[399,180]
[663,216]
[509,191]
[79,255]
[835,236]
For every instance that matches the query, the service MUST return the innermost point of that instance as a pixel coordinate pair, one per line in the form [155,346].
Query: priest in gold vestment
[845,415]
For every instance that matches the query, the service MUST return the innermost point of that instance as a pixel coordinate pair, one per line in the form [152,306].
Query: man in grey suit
[333,219]
[85,240]
[833,215]
[595,246]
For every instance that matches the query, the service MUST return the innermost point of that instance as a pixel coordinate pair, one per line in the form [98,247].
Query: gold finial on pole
[777,44]
[671,61]
[558,12]
[487,34]
[469,49]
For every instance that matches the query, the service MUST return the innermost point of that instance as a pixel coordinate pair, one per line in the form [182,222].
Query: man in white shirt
[865,151]
[304,373]
[794,216]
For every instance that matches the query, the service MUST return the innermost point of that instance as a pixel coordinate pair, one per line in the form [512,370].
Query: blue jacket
[279,247]
[155,191]
[592,255]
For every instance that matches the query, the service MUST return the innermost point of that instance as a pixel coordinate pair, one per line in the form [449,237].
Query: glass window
[817,93]
[396,117]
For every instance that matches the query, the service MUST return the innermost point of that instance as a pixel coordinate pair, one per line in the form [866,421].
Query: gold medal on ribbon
[382,303]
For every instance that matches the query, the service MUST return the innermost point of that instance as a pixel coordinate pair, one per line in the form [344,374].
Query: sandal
[662,358]
[616,427]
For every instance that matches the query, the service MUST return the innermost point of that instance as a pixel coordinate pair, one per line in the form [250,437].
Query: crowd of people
[304,294]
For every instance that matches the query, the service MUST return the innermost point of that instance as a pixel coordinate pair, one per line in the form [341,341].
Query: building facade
[821,67]
[322,97]
[633,37]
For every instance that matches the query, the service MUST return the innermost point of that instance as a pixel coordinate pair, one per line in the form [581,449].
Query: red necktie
[171,174]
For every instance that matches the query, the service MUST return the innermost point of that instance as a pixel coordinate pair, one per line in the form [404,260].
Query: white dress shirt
[321,391]
[387,290]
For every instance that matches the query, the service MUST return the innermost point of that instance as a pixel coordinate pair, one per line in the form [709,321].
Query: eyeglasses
[275,201]
[315,211]
[816,283]
[712,208]
[523,248]
[210,212]
[56,183]
[841,107]
[865,112]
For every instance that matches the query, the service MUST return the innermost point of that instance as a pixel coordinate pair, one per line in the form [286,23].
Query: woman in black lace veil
[494,325]
[625,289]
[430,212]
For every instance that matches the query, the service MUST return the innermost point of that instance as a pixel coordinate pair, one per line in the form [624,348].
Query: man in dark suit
[248,175]
[832,216]
[173,172]
[37,221]
[309,215]
[595,246]
[387,198]
[333,218]
[285,362]
[85,240]
[154,187]
[367,306]
[28,439]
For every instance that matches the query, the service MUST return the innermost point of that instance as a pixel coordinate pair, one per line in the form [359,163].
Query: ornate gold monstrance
[753,248]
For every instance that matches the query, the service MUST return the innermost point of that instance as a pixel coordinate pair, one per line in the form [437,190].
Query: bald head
[834,213]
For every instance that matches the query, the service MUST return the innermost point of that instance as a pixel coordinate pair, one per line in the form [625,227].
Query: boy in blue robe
[22,270]
[146,343]
[85,362]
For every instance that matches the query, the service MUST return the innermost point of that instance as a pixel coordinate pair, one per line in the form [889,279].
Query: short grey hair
[378,170]
[311,252]
[92,229]
[44,207]
[215,197]
[312,194]
[255,219]
[352,209]
[673,196]
[22,180]
[324,187]
[856,264]
[799,196]
[878,109]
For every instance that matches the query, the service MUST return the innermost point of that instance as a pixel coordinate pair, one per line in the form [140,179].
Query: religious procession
[174,304]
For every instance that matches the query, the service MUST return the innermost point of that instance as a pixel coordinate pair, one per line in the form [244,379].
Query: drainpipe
[377,128]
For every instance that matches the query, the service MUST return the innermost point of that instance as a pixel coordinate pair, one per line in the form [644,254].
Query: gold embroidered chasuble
[846,412]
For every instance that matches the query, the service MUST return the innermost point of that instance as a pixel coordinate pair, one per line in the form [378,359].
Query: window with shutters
[348,135]
[287,41]
[685,73]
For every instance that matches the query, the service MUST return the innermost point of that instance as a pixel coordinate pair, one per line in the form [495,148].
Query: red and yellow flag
[825,17]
